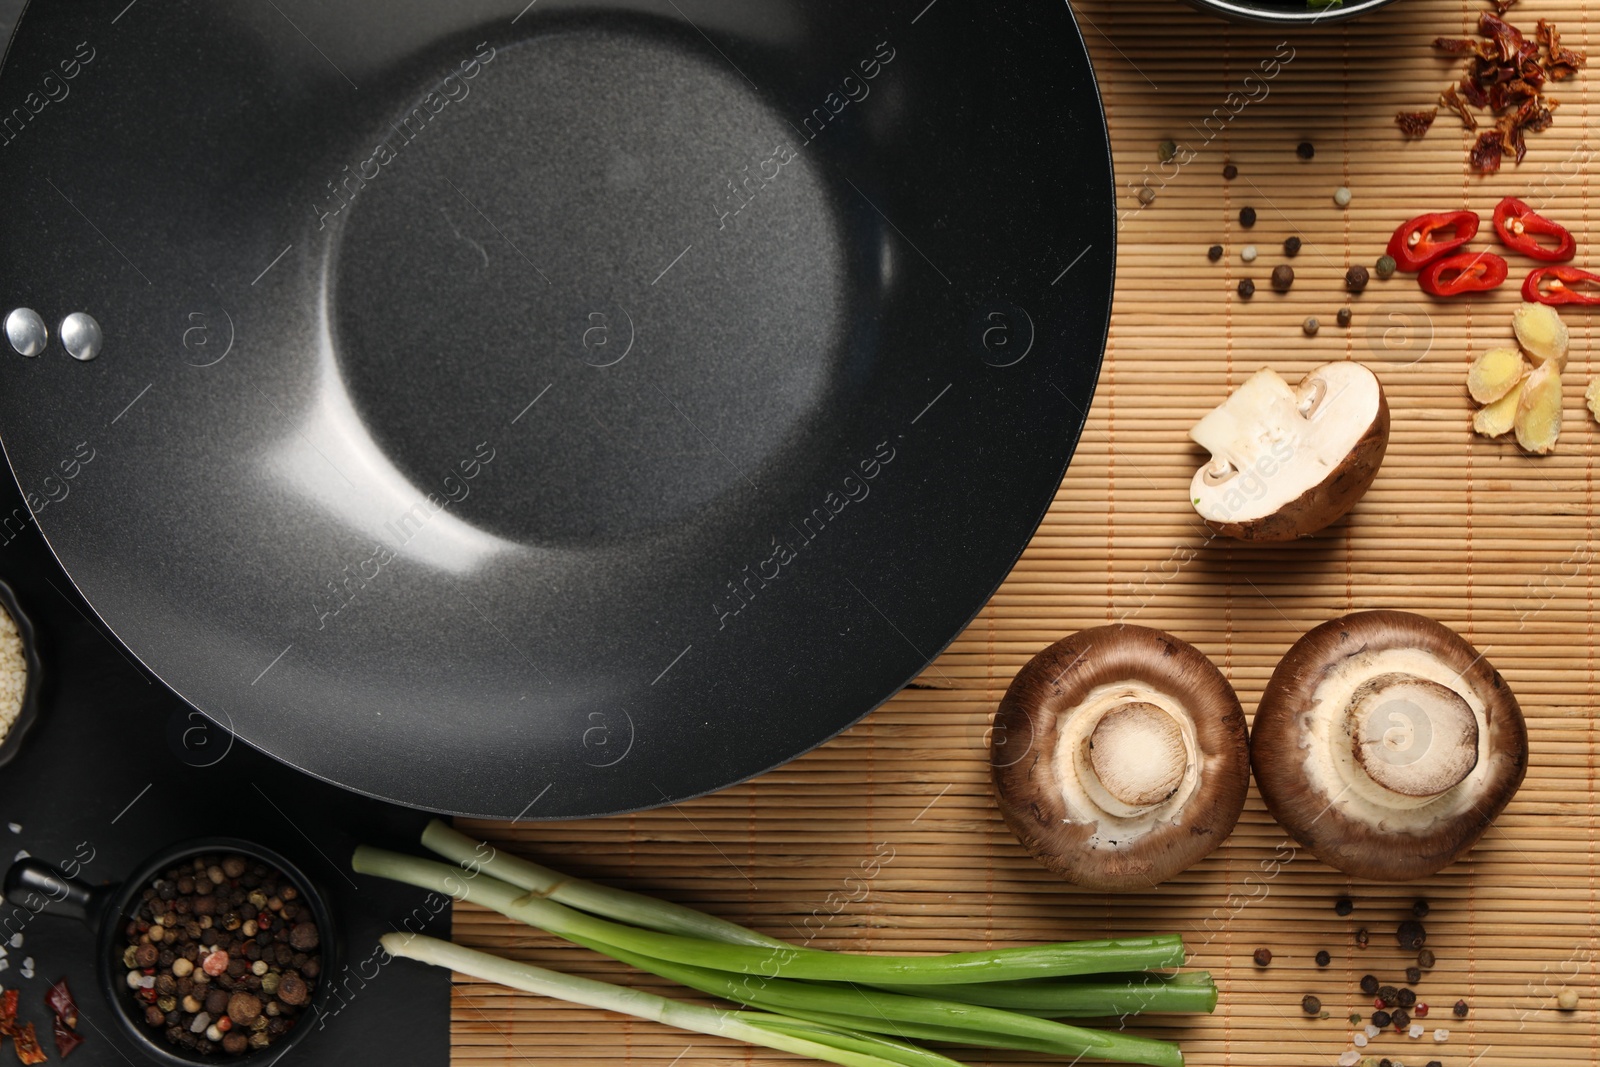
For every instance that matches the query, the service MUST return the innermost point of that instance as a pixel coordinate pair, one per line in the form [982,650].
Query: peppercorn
[1247,217]
[1426,959]
[1229,172]
[1214,253]
[1147,195]
[1389,995]
[1413,975]
[1362,937]
[1411,934]
[153,1016]
[145,955]
[1291,246]
[1343,318]
[1460,1009]
[1386,266]
[1248,253]
[1262,956]
[1323,958]
[1400,1018]
[1355,279]
[1282,277]
[1247,288]
[1380,1019]
[1343,906]
[304,937]
[1386,1062]
[1305,150]
[1369,984]
[1311,326]
[1433,1063]
[1166,150]
[1420,1011]
[1420,909]
[292,990]
[1310,1004]
[1567,1000]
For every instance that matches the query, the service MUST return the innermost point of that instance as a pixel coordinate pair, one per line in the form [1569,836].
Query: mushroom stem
[1138,753]
[1411,735]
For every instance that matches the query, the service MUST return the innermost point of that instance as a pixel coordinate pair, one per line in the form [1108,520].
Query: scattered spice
[1369,984]
[27,1042]
[1420,909]
[1305,150]
[1381,1019]
[1341,196]
[1262,956]
[1312,1006]
[1167,150]
[1310,327]
[1344,906]
[1324,958]
[1400,1019]
[1248,253]
[1282,277]
[1247,288]
[1355,1020]
[1355,280]
[1229,172]
[1413,975]
[1421,1010]
[1385,267]
[1426,959]
[1460,1009]
[1343,318]
[1388,996]
[1291,246]
[1414,124]
[1411,934]
[1214,253]
[1247,217]
[1566,1000]
[1147,195]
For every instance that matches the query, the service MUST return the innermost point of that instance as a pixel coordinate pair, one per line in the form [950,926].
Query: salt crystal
[1441,1036]
[1372,1031]
[27,974]
[4,964]
[1360,1040]
[146,981]
[200,1023]
[22,854]
[16,940]
[1350,1058]
[27,964]
[1415,1031]
[14,827]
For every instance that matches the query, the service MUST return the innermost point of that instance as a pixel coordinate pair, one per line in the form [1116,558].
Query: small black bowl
[28,714]
[106,910]
[1285,14]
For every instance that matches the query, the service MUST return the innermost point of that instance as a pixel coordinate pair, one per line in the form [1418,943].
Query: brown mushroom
[1287,461]
[1120,757]
[1386,744]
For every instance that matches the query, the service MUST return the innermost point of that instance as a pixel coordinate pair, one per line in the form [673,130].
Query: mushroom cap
[1418,744]
[1109,692]
[1290,461]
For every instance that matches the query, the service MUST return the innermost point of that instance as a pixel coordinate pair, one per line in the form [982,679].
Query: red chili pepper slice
[67,1039]
[1562,285]
[1518,225]
[58,998]
[1464,272]
[1419,242]
[8,1012]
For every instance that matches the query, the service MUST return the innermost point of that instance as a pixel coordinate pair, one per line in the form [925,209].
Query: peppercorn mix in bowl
[219,955]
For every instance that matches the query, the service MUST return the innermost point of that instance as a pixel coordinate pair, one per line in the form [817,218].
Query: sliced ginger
[1498,418]
[1592,396]
[1538,418]
[1494,374]
[1541,333]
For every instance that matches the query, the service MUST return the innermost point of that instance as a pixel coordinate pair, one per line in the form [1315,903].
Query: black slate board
[118,767]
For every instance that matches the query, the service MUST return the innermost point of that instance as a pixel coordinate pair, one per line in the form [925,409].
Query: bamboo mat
[1496,544]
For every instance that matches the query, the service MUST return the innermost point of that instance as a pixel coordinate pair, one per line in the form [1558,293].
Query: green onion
[1043,961]
[1095,995]
[819,1042]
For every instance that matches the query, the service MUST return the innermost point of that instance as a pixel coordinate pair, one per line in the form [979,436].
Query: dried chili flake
[1502,6]
[1507,39]
[27,1042]
[1415,123]
[1484,156]
[1473,93]
[1562,62]
[1452,100]
[67,1039]
[58,998]
[8,1013]
[1458,45]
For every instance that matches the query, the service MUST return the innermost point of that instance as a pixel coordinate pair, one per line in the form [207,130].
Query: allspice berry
[1282,277]
[1355,279]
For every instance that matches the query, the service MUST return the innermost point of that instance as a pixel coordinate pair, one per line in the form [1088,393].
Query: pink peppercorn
[1420,1011]
[216,963]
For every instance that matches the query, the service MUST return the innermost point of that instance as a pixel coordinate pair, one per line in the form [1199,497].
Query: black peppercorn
[1400,1018]
[1355,279]
[1460,1009]
[1323,958]
[1230,172]
[1247,288]
[1380,1019]
[1262,956]
[1344,906]
[1389,995]
[1343,318]
[1413,975]
[1406,998]
[1247,217]
[1386,1062]
[1369,984]
[1305,150]
[1214,253]
[1411,935]
[1420,909]
[1362,937]
[1426,959]
[1291,246]
[1282,277]
[1310,1004]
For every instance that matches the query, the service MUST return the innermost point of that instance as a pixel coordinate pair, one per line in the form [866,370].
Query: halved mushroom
[1287,461]
[1386,744]
[1120,757]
